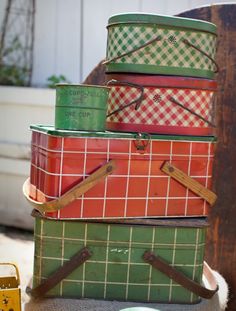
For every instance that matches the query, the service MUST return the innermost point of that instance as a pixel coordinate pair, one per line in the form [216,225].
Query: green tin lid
[180,22]
[50,130]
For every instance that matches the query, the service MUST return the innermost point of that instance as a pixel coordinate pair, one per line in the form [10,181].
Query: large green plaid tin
[154,44]
[116,270]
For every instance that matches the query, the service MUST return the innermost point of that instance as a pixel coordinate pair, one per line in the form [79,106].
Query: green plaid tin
[116,269]
[155,44]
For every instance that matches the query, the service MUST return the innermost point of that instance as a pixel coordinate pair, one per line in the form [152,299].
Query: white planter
[20,107]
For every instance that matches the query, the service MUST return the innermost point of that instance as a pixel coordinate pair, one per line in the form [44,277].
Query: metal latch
[142,141]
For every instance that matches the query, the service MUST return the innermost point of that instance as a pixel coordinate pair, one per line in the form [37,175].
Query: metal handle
[16,270]
[61,273]
[161,265]
[136,101]
[139,100]
[158,38]
[173,100]
[185,41]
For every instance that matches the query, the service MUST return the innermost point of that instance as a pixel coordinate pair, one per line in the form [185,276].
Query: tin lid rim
[164,81]
[168,20]
[189,222]
[52,131]
[82,85]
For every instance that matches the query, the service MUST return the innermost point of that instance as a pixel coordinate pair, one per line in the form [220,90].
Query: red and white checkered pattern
[157,108]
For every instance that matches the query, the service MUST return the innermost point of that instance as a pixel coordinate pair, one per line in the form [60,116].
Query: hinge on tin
[142,142]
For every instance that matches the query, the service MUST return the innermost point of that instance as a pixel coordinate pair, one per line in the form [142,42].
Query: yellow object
[9,291]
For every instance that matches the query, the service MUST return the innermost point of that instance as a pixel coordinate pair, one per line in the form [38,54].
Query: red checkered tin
[161,104]
[137,187]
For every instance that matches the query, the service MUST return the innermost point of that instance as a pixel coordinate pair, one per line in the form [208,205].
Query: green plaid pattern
[116,270]
[169,51]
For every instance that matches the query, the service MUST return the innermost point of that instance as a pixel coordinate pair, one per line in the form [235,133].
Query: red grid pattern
[158,111]
[137,187]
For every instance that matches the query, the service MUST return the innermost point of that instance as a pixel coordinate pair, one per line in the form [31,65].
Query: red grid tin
[161,104]
[136,188]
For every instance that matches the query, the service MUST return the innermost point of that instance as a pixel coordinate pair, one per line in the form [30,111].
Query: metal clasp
[142,142]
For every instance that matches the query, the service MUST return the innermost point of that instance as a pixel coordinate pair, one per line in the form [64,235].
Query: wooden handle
[70,195]
[189,182]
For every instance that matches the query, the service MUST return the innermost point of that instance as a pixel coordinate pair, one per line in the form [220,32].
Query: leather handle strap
[189,182]
[161,265]
[70,195]
[68,267]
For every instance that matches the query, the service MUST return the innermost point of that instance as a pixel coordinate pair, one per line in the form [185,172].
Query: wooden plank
[221,247]
[189,182]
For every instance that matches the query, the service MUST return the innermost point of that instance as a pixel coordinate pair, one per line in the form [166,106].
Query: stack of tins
[122,213]
[169,51]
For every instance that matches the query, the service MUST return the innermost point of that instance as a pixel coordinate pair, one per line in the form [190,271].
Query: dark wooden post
[221,246]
